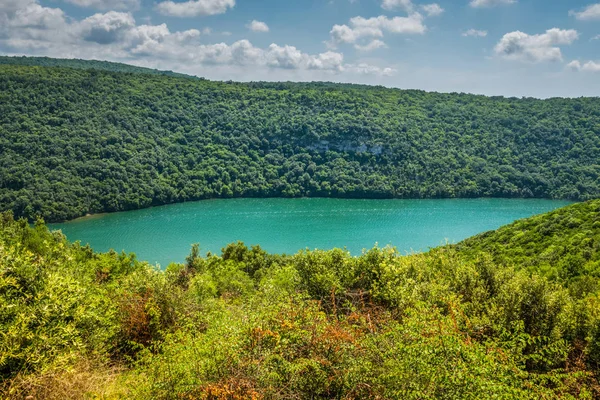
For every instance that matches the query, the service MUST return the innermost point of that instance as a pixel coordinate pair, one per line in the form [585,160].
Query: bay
[165,234]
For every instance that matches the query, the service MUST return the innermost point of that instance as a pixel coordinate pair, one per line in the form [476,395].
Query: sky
[522,48]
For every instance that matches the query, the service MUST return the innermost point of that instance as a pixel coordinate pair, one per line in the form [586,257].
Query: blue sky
[539,48]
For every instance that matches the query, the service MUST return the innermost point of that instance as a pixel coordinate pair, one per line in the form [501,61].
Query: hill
[87,65]
[451,323]
[563,245]
[78,141]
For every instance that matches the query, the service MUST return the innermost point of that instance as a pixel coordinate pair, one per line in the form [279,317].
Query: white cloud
[330,61]
[366,69]
[576,65]
[143,34]
[35,16]
[116,36]
[535,48]
[285,57]
[106,28]
[474,33]
[241,52]
[345,34]
[375,27]
[107,4]
[194,8]
[406,5]
[590,66]
[28,22]
[258,26]
[372,45]
[14,4]
[490,3]
[8,6]
[412,24]
[244,53]
[432,10]
[158,41]
[591,12]
[597,37]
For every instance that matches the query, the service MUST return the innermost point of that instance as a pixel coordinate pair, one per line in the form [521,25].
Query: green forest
[79,137]
[487,318]
[86,64]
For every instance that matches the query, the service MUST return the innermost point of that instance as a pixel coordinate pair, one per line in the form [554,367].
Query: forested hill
[564,245]
[86,64]
[77,141]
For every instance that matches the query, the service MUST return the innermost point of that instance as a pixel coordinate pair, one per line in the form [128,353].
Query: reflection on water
[164,234]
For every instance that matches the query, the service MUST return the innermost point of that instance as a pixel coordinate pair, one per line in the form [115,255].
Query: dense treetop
[563,244]
[77,141]
[448,324]
[86,64]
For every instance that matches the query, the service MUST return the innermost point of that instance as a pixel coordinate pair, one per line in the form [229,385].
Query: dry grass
[231,389]
[85,380]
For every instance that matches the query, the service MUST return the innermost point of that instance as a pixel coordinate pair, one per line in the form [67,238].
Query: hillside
[87,65]
[563,244]
[78,141]
[315,325]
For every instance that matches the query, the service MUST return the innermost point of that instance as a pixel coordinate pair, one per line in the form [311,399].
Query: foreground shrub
[447,324]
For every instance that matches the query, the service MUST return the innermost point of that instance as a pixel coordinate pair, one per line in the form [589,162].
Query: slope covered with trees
[77,141]
[86,64]
[448,324]
[564,246]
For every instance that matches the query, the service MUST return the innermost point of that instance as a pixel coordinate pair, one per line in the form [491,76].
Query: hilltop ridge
[76,63]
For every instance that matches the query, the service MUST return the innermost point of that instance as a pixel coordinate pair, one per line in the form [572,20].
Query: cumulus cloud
[194,8]
[405,5]
[38,17]
[27,23]
[158,41]
[107,4]
[285,57]
[243,53]
[590,66]
[535,48]
[14,4]
[366,69]
[474,33]
[375,27]
[591,12]
[372,45]
[290,57]
[412,24]
[575,65]
[258,26]
[8,6]
[29,27]
[345,34]
[490,3]
[106,28]
[432,10]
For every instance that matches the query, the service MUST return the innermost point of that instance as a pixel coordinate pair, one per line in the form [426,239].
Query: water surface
[164,234]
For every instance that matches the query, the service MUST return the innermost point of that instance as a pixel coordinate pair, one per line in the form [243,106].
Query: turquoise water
[164,234]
